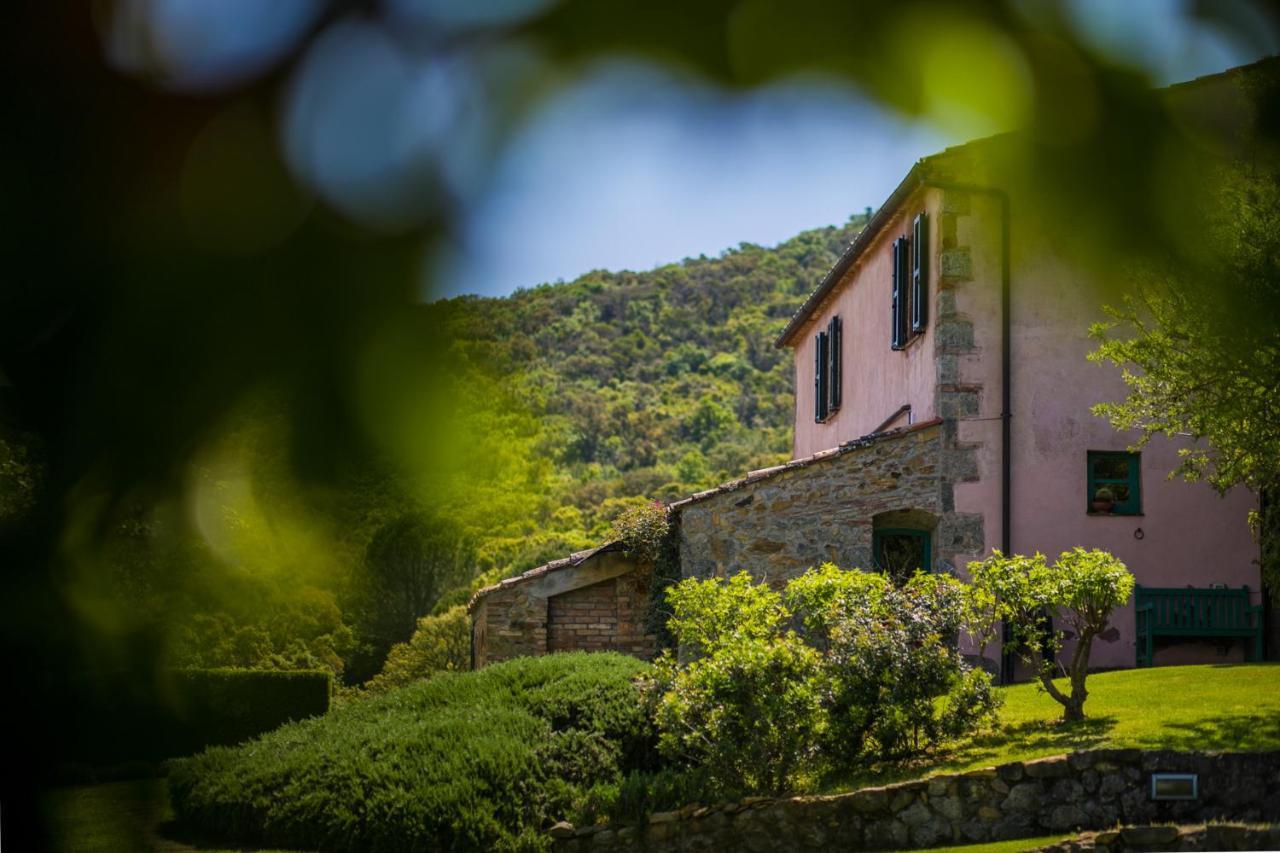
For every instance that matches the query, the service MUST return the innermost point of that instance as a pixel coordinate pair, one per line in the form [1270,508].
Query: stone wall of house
[508,623]
[777,523]
[599,603]
[1066,793]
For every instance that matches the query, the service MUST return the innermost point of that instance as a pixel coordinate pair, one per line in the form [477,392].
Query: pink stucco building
[943,401]
[958,302]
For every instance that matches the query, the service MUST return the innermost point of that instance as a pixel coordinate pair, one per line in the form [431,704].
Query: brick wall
[598,604]
[607,616]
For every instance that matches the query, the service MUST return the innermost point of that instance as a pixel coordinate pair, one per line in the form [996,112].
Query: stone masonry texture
[1066,793]
[777,526]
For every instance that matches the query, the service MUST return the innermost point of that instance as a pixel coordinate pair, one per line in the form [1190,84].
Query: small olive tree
[1037,601]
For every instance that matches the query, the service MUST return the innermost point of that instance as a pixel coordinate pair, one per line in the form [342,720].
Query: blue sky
[627,169]
[630,170]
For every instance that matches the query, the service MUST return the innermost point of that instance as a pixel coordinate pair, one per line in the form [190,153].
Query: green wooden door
[899,553]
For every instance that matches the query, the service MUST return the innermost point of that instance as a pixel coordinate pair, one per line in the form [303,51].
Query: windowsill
[912,339]
[1115,514]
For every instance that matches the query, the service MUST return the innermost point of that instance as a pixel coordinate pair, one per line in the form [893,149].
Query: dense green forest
[648,385]
[533,421]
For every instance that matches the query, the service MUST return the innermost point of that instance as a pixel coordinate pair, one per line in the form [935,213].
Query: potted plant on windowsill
[1104,501]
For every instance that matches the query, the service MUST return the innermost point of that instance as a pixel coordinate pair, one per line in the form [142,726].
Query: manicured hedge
[220,707]
[466,761]
[111,717]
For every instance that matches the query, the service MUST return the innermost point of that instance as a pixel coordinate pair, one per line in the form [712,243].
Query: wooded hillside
[646,385]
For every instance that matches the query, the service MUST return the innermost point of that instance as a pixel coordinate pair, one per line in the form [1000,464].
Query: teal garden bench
[1186,612]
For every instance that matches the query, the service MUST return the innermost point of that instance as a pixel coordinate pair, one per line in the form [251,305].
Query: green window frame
[879,536]
[1120,472]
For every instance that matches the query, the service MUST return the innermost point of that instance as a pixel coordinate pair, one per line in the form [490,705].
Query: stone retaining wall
[1066,793]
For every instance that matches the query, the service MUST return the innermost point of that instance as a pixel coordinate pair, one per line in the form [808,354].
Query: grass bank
[1224,707]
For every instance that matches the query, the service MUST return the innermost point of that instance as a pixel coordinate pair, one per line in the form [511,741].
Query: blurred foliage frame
[126,345]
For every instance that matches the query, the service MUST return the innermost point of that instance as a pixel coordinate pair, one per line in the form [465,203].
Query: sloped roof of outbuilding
[568,562]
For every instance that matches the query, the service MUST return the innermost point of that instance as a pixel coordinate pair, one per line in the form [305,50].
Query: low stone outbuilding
[596,600]
[847,505]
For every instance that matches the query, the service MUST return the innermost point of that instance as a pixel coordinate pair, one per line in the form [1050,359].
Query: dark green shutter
[820,376]
[833,360]
[900,267]
[920,273]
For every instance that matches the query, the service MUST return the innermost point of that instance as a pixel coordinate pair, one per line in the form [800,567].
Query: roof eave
[575,559]
[866,236]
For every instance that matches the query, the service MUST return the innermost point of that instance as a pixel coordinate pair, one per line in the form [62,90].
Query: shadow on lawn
[1034,738]
[1042,737]
[1224,732]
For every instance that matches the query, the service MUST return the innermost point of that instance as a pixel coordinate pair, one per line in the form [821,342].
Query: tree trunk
[1074,708]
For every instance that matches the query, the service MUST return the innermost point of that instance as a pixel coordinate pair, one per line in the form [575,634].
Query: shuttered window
[833,365]
[901,269]
[919,273]
[821,376]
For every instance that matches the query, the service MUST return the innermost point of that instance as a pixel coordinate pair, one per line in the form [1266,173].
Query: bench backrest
[1194,609]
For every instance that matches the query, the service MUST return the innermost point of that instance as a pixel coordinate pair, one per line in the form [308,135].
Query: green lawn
[1210,707]
[120,817]
[1017,845]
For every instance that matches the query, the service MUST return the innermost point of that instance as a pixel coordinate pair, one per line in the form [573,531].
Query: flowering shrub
[892,655]
[745,702]
[642,529]
[843,667]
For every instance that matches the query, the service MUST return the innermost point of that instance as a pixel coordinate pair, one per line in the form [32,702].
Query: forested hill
[647,385]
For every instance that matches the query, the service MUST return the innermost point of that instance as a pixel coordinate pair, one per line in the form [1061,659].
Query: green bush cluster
[775,689]
[643,529]
[470,761]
